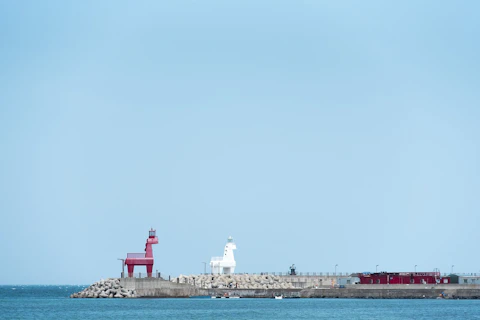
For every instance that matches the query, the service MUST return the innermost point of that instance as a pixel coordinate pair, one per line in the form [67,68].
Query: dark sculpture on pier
[292,270]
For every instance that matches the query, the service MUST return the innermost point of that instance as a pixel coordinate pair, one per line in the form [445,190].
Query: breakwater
[266,287]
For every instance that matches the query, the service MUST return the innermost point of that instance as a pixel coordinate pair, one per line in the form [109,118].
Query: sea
[53,302]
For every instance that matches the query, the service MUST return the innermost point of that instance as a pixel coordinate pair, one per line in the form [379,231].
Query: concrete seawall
[395,292]
[159,288]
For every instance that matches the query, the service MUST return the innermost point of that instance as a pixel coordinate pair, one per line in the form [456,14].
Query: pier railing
[302,274]
[307,274]
[337,274]
[298,274]
[141,275]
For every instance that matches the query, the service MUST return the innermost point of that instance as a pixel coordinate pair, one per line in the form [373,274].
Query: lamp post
[336,269]
[376,268]
[204,267]
[452,268]
[123,266]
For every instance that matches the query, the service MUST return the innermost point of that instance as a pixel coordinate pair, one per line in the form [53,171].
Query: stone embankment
[109,288]
[235,281]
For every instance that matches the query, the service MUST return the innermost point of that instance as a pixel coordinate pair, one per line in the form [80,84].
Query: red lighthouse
[142,259]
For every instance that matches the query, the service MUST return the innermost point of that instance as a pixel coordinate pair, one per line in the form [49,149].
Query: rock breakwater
[109,288]
[235,281]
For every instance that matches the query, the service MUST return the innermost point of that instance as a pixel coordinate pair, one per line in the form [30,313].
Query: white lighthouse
[225,264]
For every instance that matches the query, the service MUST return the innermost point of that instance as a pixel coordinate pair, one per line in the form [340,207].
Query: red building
[402,278]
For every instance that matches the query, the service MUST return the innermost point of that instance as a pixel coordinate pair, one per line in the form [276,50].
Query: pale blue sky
[313,132]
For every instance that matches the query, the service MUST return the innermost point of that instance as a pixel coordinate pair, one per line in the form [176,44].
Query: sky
[318,133]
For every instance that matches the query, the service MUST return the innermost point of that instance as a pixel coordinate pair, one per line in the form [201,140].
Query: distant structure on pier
[292,270]
[402,278]
[225,264]
[142,259]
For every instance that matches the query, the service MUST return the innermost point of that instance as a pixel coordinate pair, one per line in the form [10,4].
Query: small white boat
[279,297]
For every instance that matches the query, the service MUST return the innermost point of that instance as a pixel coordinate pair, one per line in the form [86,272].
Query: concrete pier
[159,288]
[362,292]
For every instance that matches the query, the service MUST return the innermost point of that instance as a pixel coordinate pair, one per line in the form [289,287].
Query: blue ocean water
[52,302]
